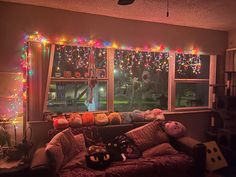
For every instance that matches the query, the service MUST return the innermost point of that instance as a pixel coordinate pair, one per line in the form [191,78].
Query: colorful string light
[135,56]
[82,41]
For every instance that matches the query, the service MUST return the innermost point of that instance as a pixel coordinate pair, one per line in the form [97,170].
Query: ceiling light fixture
[125,2]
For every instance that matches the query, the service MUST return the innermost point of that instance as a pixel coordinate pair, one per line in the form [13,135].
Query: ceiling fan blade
[125,2]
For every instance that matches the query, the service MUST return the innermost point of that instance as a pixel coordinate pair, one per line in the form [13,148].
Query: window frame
[172,81]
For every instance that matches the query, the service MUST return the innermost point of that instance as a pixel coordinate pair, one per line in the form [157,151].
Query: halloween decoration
[60,122]
[87,119]
[125,117]
[75,120]
[101,119]
[98,160]
[115,152]
[92,74]
[114,118]
[127,147]
[175,129]
[98,157]
[137,116]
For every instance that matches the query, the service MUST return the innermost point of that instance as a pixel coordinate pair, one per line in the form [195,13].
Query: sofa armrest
[193,148]
[40,165]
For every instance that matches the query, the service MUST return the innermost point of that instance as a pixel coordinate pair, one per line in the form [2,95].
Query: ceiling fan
[125,2]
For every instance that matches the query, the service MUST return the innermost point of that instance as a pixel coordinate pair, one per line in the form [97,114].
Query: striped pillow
[148,135]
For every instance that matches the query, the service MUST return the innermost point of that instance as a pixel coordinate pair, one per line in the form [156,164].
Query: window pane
[191,94]
[141,80]
[188,66]
[74,61]
[74,97]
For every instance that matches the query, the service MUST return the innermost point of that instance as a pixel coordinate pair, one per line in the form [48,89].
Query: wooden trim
[231,49]
[61,79]
[191,80]
[110,95]
[212,79]
[49,76]
[171,82]
[184,111]
[191,108]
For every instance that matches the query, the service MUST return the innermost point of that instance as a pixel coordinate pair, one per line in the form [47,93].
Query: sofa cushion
[148,135]
[161,149]
[62,148]
[176,165]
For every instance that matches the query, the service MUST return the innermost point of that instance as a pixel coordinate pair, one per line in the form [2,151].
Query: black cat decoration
[99,160]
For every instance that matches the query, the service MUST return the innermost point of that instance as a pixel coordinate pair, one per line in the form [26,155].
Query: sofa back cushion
[148,135]
[62,148]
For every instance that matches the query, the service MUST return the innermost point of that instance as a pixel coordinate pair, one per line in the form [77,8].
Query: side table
[13,168]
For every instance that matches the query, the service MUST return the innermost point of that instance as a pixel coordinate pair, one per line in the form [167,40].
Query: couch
[189,161]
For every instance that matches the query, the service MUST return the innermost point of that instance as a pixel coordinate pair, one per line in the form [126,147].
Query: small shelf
[72,79]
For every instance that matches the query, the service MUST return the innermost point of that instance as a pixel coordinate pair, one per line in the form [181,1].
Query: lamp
[125,2]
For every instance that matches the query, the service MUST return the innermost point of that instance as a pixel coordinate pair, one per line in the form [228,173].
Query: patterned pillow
[62,148]
[175,129]
[91,134]
[148,135]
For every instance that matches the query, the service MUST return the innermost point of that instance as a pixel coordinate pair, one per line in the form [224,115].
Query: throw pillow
[78,159]
[62,148]
[60,122]
[114,118]
[175,129]
[91,135]
[101,119]
[148,135]
[87,119]
[161,149]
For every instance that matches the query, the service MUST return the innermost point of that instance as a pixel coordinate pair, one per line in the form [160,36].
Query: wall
[16,19]
[232,39]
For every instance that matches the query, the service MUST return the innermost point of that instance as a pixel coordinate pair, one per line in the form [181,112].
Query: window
[69,89]
[128,80]
[192,80]
[140,80]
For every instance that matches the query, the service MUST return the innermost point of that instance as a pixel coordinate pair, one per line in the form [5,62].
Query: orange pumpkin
[87,119]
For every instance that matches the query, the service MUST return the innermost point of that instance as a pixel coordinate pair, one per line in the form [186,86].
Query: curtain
[39,67]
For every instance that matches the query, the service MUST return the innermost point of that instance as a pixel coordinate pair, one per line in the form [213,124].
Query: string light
[82,41]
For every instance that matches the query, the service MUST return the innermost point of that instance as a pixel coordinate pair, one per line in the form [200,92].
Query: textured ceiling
[209,14]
